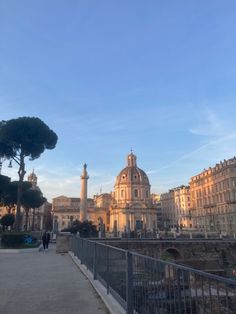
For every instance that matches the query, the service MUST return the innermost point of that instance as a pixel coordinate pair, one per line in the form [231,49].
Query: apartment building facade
[213,198]
[176,208]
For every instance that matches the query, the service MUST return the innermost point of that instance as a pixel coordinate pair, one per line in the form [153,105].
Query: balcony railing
[231,201]
[209,205]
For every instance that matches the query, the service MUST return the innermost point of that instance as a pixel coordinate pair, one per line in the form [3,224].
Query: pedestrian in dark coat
[44,239]
[47,239]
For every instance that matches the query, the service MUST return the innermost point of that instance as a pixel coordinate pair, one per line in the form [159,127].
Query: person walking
[44,240]
[47,239]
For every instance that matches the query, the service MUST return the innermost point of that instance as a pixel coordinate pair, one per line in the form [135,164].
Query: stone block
[63,242]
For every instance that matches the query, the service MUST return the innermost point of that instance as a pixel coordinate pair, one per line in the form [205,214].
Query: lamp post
[2,159]
[1,162]
[1,165]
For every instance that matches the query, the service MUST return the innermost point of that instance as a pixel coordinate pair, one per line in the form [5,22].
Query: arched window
[135,193]
[122,194]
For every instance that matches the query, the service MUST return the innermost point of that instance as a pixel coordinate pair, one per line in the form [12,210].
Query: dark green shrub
[7,220]
[86,229]
[13,240]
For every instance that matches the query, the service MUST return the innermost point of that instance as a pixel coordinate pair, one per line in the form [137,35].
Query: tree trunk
[21,173]
[33,219]
[10,209]
[26,218]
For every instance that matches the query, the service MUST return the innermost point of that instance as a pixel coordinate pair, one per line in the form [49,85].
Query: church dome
[132,183]
[132,174]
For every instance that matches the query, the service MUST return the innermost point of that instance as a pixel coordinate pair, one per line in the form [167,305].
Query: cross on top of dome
[132,160]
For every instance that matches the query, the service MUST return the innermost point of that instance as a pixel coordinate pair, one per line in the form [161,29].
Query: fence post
[78,247]
[71,244]
[107,270]
[82,252]
[179,290]
[129,283]
[95,261]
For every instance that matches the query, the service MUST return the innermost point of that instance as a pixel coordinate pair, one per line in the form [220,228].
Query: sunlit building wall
[213,196]
[176,208]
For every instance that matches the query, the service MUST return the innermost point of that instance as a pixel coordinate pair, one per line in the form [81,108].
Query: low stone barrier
[63,242]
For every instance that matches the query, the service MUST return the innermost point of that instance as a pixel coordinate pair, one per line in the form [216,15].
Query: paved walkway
[43,283]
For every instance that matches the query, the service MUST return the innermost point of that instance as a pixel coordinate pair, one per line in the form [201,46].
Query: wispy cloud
[217,138]
[210,124]
[194,152]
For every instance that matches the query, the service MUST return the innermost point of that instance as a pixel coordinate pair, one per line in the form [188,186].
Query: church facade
[130,207]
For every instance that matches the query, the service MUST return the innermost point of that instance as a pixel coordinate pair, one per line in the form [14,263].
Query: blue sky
[157,76]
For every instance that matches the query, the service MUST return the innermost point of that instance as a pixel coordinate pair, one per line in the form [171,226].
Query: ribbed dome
[132,175]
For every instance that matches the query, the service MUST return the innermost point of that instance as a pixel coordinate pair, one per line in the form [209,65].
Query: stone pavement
[45,283]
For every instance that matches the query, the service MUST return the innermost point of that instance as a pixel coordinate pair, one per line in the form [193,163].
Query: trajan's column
[83,195]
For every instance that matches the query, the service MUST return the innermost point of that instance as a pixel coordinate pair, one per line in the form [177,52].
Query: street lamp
[10,164]
[1,162]
[2,159]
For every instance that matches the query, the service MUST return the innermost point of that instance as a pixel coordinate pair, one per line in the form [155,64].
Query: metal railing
[145,285]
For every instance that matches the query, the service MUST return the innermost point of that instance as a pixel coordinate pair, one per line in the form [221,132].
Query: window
[146,193]
[135,193]
[122,193]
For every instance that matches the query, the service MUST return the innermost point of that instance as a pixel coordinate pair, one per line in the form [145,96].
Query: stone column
[83,195]
[41,222]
